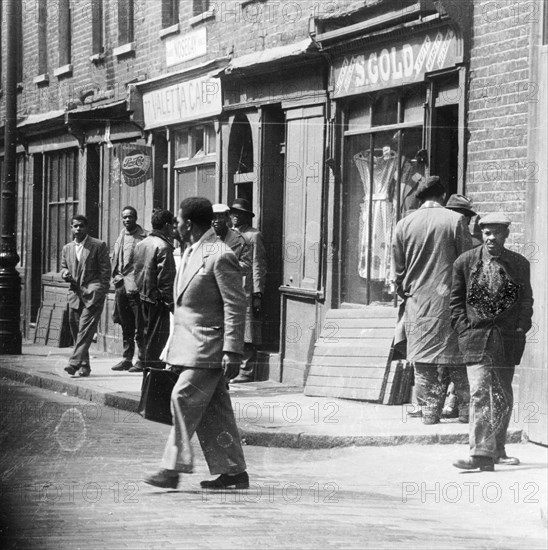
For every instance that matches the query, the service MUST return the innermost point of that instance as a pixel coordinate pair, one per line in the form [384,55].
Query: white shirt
[79,247]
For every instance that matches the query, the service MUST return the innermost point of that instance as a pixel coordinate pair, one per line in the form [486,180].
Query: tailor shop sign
[396,64]
[183,102]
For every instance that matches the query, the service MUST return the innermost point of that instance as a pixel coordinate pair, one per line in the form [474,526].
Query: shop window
[61,179]
[125,22]
[195,162]
[65,33]
[195,142]
[383,165]
[199,7]
[97,33]
[42,37]
[170,13]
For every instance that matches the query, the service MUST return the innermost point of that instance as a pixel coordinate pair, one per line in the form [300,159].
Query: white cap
[220,208]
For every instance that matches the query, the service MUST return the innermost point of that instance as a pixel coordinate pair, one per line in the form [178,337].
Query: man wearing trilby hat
[241,215]
[491,310]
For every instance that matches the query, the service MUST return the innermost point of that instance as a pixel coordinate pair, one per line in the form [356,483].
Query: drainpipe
[10,283]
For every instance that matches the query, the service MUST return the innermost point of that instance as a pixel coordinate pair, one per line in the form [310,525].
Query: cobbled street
[71,477]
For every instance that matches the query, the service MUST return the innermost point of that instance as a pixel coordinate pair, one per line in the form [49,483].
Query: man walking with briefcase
[206,346]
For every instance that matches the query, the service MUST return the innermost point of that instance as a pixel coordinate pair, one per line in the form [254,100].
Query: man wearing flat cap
[241,215]
[491,310]
[425,245]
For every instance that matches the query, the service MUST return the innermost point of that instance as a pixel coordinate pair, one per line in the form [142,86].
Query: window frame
[126,22]
[170,13]
[65,33]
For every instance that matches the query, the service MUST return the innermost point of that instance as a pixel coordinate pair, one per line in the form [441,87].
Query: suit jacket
[473,330]
[126,273]
[209,314]
[91,273]
[426,244]
[155,269]
[258,255]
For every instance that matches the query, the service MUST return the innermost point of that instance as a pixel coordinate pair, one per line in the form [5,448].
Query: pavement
[268,413]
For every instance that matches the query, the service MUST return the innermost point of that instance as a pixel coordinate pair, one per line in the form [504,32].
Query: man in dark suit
[491,310]
[86,266]
[241,216]
[206,346]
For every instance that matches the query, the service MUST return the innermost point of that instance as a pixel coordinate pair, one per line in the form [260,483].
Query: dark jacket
[474,330]
[155,269]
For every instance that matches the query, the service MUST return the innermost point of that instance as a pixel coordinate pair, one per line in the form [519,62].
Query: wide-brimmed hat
[242,205]
[429,185]
[460,204]
[495,218]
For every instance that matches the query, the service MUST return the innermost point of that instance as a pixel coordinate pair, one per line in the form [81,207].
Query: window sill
[181,164]
[168,31]
[97,58]
[124,49]
[65,70]
[41,79]
[197,19]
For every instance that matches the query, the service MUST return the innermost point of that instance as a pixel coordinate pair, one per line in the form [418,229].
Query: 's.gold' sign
[395,65]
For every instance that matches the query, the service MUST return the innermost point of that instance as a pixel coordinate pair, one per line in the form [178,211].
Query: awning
[98,112]
[270,56]
[49,118]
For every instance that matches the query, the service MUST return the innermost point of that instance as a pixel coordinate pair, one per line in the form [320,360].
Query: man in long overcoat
[491,310]
[241,216]
[206,346]
[425,245]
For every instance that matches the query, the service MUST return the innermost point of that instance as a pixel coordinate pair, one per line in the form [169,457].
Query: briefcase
[156,391]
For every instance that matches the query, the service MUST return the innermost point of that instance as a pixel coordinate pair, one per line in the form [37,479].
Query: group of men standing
[143,274]
[467,308]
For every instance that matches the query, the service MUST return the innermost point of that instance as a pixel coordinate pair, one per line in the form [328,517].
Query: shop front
[273,150]
[399,101]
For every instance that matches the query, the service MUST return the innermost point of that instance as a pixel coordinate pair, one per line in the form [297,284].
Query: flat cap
[460,204]
[430,185]
[220,208]
[495,218]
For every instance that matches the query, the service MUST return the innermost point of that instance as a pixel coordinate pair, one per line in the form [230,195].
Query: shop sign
[135,163]
[395,65]
[183,102]
[186,46]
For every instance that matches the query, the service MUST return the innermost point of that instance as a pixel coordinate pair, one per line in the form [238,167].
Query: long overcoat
[425,245]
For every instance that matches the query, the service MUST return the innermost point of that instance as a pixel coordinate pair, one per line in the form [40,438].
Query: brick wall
[499,95]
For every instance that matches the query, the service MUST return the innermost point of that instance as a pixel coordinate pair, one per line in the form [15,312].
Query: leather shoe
[71,369]
[507,460]
[83,372]
[241,379]
[166,479]
[482,463]
[415,414]
[122,365]
[227,481]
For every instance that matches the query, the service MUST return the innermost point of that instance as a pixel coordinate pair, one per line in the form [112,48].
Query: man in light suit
[206,347]
[86,266]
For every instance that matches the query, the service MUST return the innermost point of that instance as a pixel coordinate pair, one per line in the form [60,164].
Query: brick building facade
[281,102]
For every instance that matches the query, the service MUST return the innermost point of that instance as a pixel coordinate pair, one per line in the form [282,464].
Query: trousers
[155,333]
[431,389]
[200,403]
[131,320]
[83,325]
[491,403]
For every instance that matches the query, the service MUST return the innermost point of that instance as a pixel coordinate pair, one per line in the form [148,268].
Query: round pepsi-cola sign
[136,167]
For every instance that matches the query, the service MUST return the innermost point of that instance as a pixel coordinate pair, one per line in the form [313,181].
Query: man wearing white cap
[234,240]
[491,310]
